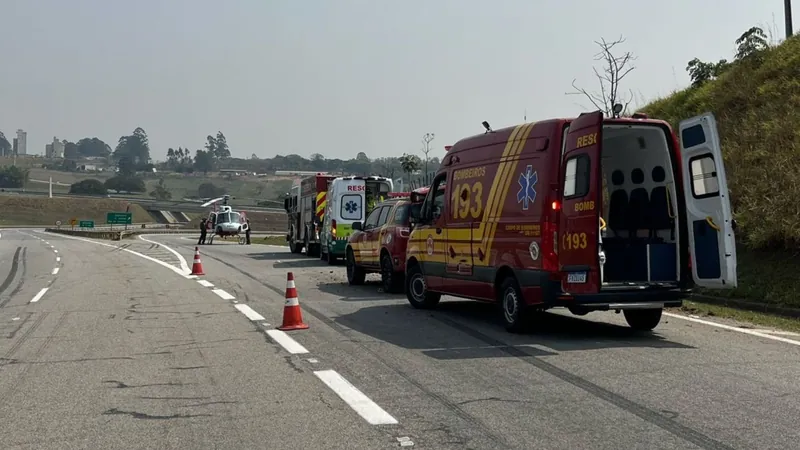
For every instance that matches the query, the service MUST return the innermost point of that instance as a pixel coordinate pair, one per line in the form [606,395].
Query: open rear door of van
[712,243]
[580,214]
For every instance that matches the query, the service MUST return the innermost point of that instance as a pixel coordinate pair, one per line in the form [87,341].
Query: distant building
[22,142]
[54,150]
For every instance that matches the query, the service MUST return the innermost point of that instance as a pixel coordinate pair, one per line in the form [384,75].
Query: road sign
[73,221]
[119,218]
[58,223]
[86,224]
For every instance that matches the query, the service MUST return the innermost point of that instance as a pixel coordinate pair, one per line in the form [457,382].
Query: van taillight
[333,228]
[556,206]
[403,231]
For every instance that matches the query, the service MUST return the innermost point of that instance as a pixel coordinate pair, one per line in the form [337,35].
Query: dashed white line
[736,329]
[58,259]
[55,251]
[285,341]
[55,271]
[224,295]
[205,283]
[249,312]
[39,295]
[366,408]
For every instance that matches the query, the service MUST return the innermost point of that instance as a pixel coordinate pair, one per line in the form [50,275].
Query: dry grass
[25,210]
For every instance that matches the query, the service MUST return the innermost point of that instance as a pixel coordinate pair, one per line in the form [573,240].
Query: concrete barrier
[106,235]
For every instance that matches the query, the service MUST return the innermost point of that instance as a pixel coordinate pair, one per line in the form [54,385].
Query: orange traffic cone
[292,315]
[197,265]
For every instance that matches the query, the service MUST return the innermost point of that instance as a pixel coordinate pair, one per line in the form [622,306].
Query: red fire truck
[305,207]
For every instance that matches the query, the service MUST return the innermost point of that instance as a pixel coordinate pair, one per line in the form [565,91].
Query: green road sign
[119,218]
[86,223]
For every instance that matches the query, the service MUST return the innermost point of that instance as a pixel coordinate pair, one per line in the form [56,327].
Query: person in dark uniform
[247,232]
[203,232]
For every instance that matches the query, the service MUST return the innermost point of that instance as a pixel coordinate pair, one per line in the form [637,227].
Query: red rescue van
[589,213]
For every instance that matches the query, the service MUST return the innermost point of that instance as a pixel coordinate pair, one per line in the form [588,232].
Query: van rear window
[576,176]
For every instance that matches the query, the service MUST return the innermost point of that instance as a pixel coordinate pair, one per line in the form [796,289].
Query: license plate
[576,277]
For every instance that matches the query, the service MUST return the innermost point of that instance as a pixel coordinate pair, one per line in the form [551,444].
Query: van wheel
[355,274]
[642,319]
[417,292]
[516,315]
[391,280]
[331,258]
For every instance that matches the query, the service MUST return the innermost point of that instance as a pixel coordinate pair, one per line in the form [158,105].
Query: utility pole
[787,14]
[427,141]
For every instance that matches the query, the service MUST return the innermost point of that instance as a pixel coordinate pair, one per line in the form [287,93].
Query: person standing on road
[247,232]
[203,232]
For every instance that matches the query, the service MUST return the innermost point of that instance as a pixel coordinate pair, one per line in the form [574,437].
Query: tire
[516,316]
[391,280]
[416,290]
[294,247]
[642,319]
[355,274]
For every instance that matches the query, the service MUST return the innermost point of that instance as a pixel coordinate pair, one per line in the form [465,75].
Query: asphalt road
[125,351]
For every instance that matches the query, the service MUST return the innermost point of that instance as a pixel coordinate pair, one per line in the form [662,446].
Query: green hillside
[756,100]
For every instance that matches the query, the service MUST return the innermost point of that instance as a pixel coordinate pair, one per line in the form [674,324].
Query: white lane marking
[39,295]
[205,283]
[191,277]
[161,263]
[224,295]
[55,271]
[285,341]
[366,408]
[1,235]
[249,312]
[184,264]
[55,251]
[737,329]
[58,259]
[52,246]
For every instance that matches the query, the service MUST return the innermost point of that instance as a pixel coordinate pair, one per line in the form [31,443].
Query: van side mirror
[357,226]
[286,204]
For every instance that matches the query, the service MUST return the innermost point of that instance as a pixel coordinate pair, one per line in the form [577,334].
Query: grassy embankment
[25,210]
[756,106]
[246,190]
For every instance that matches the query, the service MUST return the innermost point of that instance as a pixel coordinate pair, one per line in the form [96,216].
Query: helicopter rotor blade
[210,202]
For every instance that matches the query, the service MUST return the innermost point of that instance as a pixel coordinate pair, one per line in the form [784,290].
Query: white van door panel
[712,243]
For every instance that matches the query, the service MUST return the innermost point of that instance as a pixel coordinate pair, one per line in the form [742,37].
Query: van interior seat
[660,219]
[638,205]
[618,205]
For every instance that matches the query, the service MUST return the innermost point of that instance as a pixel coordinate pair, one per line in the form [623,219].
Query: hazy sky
[335,77]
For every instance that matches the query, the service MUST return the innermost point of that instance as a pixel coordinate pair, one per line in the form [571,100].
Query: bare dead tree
[615,69]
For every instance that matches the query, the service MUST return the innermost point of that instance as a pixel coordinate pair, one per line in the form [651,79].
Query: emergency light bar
[399,194]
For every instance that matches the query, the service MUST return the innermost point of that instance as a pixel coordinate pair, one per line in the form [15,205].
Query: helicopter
[225,221]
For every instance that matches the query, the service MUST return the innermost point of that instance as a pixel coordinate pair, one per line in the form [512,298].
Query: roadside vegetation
[755,98]
[27,210]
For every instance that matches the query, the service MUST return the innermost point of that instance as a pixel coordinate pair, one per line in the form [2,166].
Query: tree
[160,192]
[135,147]
[92,147]
[701,72]
[410,163]
[204,161]
[5,146]
[125,183]
[211,146]
[221,150]
[210,190]
[362,157]
[615,69]
[70,150]
[90,186]
[13,177]
[126,166]
[751,43]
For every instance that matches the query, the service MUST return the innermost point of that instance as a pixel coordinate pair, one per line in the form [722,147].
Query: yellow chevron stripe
[322,202]
[507,182]
[491,200]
